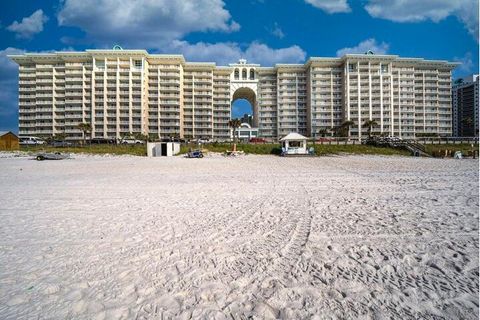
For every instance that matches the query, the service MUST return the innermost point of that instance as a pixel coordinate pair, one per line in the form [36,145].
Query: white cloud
[435,10]
[7,65]
[331,6]
[264,55]
[466,63]
[29,25]
[145,23]
[224,53]
[277,31]
[364,46]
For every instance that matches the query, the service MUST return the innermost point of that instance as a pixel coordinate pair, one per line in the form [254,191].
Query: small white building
[162,149]
[294,143]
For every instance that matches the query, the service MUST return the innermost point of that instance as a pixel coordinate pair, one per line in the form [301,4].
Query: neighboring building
[120,92]
[245,132]
[465,106]
[247,118]
[8,141]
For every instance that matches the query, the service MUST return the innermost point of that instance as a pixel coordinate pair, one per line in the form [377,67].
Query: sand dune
[356,237]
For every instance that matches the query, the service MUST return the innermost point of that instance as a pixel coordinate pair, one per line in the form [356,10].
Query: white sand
[257,236]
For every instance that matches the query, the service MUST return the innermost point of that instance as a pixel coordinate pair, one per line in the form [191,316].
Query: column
[392,117]
[130,113]
[359,98]
[105,98]
[381,99]
[399,107]
[117,98]
[193,104]
[92,97]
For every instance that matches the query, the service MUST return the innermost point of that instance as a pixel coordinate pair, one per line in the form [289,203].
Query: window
[384,68]
[294,144]
[352,67]
[100,64]
[237,74]
[137,63]
[244,73]
[252,74]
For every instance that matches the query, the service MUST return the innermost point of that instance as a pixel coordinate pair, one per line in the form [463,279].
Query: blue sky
[262,31]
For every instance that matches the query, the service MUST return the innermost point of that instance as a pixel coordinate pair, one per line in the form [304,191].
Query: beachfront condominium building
[465,106]
[122,92]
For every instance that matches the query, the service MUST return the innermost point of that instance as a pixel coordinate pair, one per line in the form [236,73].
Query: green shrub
[439,149]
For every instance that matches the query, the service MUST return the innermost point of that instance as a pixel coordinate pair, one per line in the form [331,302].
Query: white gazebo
[294,143]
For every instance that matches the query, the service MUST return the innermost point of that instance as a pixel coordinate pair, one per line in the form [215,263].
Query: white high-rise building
[123,92]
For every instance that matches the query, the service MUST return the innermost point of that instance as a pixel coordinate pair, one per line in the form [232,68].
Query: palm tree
[336,131]
[60,136]
[141,137]
[152,137]
[345,127]
[369,124]
[85,128]
[323,132]
[234,124]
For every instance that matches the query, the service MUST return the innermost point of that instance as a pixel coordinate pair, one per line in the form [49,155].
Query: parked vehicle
[393,138]
[131,141]
[200,140]
[28,141]
[258,140]
[102,141]
[195,154]
[61,143]
[173,140]
[50,156]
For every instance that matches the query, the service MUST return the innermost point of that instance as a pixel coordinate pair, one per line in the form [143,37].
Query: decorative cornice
[180,59]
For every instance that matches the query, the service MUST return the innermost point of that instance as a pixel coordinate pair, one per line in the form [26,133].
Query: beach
[261,237]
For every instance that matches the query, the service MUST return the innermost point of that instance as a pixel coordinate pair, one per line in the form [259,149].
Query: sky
[261,31]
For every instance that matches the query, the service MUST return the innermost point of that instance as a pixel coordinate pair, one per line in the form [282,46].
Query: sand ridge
[364,237]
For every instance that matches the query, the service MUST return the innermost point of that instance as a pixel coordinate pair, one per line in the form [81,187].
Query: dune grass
[465,148]
[320,150]
[326,149]
[269,148]
[136,150]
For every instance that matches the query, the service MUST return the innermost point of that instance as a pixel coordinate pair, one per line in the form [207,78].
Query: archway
[249,95]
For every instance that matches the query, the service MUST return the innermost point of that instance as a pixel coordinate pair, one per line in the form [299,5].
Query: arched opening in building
[244,74]
[252,74]
[244,106]
[242,109]
[237,74]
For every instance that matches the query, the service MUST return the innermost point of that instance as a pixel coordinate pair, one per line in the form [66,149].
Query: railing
[448,140]
[416,148]
[418,142]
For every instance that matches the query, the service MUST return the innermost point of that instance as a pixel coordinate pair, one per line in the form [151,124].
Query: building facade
[122,92]
[465,106]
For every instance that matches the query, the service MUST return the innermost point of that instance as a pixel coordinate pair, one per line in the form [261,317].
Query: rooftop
[116,52]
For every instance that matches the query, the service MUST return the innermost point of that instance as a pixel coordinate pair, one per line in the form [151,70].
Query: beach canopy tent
[294,143]
[8,141]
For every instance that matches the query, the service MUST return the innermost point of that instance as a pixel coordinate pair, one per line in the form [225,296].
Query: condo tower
[122,92]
